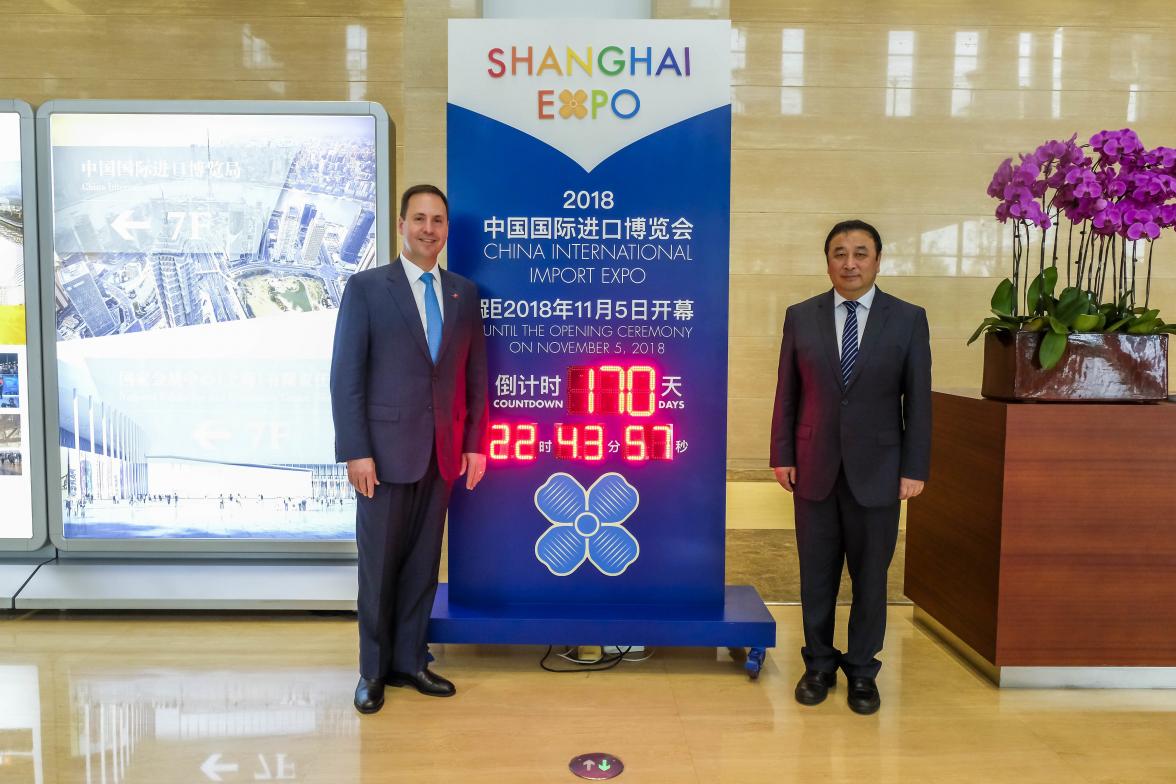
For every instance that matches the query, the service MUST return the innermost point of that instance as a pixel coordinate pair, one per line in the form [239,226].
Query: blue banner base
[743,621]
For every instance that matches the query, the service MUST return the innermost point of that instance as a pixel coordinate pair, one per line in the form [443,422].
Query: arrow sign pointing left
[123,225]
[213,767]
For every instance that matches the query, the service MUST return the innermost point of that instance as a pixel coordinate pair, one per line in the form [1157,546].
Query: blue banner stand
[742,622]
[589,191]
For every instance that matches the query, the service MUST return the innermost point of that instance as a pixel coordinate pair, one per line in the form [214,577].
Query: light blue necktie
[849,341]
[432,316]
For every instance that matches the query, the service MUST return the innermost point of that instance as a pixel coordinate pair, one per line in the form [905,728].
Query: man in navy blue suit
[408,397]
[851,438]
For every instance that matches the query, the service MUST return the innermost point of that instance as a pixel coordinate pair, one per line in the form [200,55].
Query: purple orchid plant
[1117,197]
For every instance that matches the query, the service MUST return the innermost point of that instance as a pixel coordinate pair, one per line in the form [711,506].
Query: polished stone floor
[154,699]
[766,558]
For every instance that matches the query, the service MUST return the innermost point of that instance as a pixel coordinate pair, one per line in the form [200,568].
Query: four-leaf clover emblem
[587,524]
[573,103]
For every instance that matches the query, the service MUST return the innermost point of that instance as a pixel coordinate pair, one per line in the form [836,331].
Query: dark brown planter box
[1094,367]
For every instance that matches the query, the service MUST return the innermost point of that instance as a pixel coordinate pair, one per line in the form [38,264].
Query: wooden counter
[1046,536]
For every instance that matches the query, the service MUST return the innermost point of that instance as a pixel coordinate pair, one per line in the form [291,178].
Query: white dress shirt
[418,289]
[863,312]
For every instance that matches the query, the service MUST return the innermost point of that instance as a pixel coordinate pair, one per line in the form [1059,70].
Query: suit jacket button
[845,402]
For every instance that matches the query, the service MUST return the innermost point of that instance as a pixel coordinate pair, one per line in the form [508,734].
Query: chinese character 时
[550,386]
[683,229]
[493,226]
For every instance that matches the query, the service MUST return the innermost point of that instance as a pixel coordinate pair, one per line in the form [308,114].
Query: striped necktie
[849,341]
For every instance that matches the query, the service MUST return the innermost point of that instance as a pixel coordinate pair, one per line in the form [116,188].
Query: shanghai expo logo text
[587,524]
[608,61]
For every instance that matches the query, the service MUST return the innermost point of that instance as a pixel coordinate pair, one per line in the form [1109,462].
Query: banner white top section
[589,87]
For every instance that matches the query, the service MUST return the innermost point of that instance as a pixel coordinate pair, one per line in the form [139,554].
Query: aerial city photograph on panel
[199,261]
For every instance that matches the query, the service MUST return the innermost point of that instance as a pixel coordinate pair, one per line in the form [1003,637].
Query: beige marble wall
[896,113]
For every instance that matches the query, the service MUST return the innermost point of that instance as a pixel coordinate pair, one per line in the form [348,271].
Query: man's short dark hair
[854,225]
[425,188]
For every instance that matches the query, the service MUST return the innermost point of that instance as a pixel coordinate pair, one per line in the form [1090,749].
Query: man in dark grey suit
[851,438]
[408,396]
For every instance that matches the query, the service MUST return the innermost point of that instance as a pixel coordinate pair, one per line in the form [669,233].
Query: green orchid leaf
[1057,327]
[1034,325]
[1053,346]
[1071,304]
[1118,324]
[1144,327]
[1004,298]
[1088,322]
[980,330]
[1041,289]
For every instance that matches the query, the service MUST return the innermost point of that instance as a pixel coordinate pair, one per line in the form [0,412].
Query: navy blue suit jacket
[878,426]
[388,399]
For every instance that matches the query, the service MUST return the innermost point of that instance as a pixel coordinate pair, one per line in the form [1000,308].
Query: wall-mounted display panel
[22,487]
[198,253]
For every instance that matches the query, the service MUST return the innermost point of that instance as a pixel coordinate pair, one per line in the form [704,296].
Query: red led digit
[566,446]
[525,438]
[661,442]
[593,442]
[581,390]
[635,449]
[499,441]
[640,400]
[612,389]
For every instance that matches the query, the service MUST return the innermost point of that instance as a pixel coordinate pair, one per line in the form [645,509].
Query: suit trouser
[833,530]
[398,534]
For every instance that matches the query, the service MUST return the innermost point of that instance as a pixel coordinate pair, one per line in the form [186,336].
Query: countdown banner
[589,182]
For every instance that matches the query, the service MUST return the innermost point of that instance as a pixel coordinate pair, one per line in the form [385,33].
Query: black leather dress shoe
[863,696]
[426,682]
[369,695]
[813,687]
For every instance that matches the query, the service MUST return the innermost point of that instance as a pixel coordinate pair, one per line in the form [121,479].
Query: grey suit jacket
[388,399]
[878,426]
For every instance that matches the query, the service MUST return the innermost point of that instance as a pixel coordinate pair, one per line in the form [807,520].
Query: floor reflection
[20,725]
[169,725]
